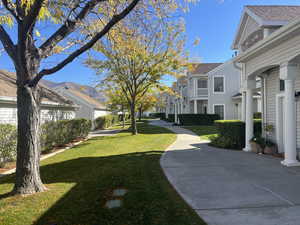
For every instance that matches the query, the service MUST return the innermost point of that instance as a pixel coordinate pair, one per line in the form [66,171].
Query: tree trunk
[123,116]
[133,120]
[28,179]
[140,114]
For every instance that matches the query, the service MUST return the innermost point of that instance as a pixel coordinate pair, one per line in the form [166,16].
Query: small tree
[137,57]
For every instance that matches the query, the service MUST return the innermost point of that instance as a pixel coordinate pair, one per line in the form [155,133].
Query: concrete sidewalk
[231,187]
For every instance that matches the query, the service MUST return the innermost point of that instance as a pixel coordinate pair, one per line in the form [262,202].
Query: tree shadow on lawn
[149,200]
[80,187]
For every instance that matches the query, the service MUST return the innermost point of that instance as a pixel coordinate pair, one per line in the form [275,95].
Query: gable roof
[91,101]
[275,13]
[202,68]
[266,16]
[8,90]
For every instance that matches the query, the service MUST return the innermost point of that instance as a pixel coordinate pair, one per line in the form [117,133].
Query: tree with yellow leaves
[138,56]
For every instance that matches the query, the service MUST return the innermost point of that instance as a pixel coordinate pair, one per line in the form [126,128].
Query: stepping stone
[113,204]
[119,192]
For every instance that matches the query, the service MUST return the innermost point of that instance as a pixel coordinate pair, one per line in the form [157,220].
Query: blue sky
[214,22]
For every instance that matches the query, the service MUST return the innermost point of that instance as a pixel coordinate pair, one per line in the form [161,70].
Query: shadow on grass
[80,187]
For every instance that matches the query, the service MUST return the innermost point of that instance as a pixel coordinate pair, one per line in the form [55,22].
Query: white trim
[224,86]
[224,116]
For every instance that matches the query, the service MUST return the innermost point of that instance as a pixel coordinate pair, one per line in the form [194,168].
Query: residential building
[197,86]
[268,43]
[53,106]
[89,107]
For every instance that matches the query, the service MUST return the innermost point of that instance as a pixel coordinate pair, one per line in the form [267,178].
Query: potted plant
[254,145]
[270,148]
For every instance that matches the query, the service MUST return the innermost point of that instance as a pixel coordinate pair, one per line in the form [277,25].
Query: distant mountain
[88,90]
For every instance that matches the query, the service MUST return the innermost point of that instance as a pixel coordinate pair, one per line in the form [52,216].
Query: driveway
[227,187]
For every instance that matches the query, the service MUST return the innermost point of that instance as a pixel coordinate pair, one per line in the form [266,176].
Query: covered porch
[276,62]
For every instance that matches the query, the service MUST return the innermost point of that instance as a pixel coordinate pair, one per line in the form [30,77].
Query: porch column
[288,72]
[243,106]
[195,106]
[249,114]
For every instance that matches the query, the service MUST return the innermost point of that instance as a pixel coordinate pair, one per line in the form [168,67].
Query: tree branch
[115,19]
[32,15]
[66,29]
[11,9]
[7,43]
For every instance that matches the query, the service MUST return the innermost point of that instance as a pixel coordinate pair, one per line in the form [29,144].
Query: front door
[279,129]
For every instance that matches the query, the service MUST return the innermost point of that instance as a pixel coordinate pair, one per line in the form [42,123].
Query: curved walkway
[231,187]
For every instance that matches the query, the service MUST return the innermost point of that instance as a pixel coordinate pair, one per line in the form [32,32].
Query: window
[281,85]
[218,84]
[219,109]
[202,83]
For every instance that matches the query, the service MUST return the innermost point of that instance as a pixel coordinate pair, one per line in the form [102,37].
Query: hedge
[62,132]
[171,118]
[162,116]
[103,122]
[53,134]
[231,133]
[8,143]
[197,119]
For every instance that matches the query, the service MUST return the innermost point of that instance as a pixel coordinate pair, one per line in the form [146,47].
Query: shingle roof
[203,68]
[96,104]
[8,88]
[279,13]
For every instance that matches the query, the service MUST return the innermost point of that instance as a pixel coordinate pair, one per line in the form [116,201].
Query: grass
[81,179]
[204,132]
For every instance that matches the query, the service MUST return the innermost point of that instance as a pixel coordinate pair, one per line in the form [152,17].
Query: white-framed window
[202,83]
[220,110]
[219,84]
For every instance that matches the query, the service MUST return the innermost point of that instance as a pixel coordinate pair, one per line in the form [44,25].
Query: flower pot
[270,150]
[254,147]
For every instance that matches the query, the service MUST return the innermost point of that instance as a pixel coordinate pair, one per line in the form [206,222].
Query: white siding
[275,55]
[250,27]
[8,115]
[272,89]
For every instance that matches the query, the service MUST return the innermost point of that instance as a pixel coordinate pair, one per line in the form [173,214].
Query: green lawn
[81,179]
[205,132]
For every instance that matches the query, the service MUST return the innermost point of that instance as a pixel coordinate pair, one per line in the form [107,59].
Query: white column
[243,106]
[290,149]
[195,106]
[249,119]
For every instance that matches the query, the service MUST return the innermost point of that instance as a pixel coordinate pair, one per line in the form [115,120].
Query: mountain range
[88,90]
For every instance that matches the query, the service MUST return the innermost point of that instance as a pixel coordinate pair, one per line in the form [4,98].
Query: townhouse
[268,45]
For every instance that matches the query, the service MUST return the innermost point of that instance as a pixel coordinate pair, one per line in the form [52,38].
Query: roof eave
[275,36]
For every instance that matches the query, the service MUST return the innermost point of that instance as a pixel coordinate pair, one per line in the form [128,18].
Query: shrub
[197,119]
[8,143]
[63,131]
[257,115]
[103,122]
[162,116]
[231,133]
[171,118]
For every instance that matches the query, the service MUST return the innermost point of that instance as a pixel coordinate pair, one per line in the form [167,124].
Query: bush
[231,133]
[162,116]
[8,143]
[197,119]
[257,115]
[62,132]
[103,122]
[171,118]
